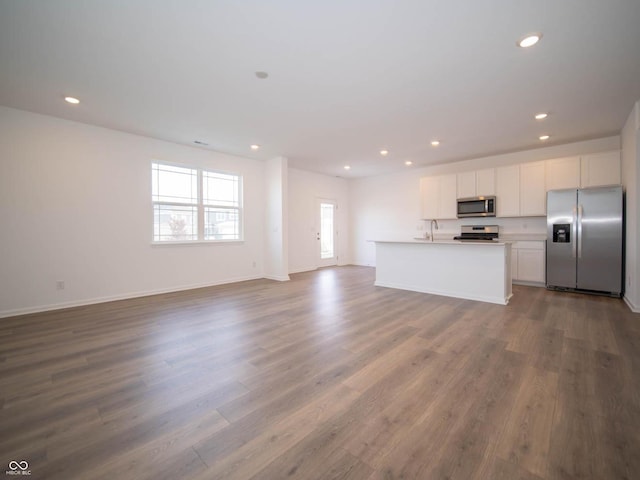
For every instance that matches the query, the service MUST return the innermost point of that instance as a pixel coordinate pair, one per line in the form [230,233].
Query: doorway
[327,233]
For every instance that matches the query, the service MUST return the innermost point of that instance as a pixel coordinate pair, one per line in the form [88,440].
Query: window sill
[194,243]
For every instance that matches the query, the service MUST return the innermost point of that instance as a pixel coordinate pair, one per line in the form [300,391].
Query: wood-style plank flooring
[324,377]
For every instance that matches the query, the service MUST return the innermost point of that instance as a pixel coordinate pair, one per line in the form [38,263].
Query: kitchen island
[471,270]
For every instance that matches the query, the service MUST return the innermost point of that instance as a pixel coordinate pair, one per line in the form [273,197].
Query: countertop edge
[445,242]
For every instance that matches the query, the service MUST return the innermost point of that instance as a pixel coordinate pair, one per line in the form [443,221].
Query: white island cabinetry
[474,271]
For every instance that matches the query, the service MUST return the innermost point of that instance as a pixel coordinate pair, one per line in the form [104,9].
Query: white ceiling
[346,78]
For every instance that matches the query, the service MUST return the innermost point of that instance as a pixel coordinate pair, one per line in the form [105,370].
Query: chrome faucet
[431,227]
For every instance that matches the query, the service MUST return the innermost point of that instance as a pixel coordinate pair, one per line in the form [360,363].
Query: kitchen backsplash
[521,225]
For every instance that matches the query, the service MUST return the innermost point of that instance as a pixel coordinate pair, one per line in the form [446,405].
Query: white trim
[303,269]
[279,278]
[632,307]
[192,242]
[125,296]
[332,261]
[199,204]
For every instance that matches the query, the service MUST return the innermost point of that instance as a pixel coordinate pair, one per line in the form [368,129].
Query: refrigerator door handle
[574,233]
[579,231]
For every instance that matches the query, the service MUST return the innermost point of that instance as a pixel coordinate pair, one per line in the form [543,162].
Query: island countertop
[445,242]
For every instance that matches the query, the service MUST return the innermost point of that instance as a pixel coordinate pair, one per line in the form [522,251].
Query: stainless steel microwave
[477,207]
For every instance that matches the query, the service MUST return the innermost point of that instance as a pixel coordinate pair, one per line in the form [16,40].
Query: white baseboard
[632,307]
[124,296]
[362,265]
[279,278]
[303,269]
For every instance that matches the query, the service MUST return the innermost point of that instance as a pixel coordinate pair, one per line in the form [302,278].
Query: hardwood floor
[324,377]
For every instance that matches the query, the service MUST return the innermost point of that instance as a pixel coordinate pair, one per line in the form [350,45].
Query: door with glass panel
[326,233]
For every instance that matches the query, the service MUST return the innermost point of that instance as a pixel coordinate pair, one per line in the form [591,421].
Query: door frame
[326,262]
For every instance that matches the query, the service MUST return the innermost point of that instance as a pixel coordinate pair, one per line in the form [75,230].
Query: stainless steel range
[478,233]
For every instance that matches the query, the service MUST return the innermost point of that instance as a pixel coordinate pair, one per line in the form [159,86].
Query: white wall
[382,207]
[305,188]
[75,206]
[388,207]
[631,182]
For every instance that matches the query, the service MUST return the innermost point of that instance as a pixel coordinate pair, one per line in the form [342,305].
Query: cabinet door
[430,196]
[562,173]
[508,191]
[448,207]
[466,184]
[600,169]
[532,190]
[486,182]
[531,265]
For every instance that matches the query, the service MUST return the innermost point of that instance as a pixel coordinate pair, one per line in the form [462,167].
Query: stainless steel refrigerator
[584,240]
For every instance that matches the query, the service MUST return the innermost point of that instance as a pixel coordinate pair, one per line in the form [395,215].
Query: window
[191,204]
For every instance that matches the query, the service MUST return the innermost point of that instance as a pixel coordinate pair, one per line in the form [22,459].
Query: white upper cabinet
[508,191]
[520,190]
[448,197]
[486,182]
[600,169]
[477,183]
[466,184]
[562,173]
[430,196]
[438,195]
[533,197]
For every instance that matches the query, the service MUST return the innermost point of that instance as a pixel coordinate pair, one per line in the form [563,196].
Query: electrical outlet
[254,264]
[629,281]
[60,285]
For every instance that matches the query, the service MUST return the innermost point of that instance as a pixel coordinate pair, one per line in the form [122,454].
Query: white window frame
[200,206]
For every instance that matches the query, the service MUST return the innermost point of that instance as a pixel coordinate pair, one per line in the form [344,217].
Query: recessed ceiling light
[530,40]
[72,100]
[255,147]
[435,143]
[384,152]
[541,116]
[347,167]
[408,163]
[544,137]
[262,75]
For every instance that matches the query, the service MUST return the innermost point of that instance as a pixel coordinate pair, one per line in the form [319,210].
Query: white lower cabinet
[528,262]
